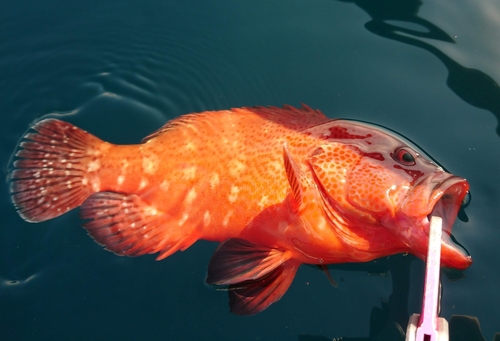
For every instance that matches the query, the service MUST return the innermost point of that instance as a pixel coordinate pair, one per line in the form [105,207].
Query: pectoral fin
[293,174]
[257,275]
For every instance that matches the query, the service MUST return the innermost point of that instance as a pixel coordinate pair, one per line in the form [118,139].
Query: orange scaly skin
[223,171]
[278,187]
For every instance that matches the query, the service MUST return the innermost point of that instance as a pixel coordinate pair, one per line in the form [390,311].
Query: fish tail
[48,178]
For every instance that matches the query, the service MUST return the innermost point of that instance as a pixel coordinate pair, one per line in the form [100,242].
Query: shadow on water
[471,85]
[389,322]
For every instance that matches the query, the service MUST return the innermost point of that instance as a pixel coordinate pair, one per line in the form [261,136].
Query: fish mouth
[445,201]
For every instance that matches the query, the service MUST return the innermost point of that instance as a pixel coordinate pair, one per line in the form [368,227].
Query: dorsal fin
[288,116]
[293,174]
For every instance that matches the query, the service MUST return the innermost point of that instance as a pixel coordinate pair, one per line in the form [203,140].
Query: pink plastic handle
[427,329]
[430,327]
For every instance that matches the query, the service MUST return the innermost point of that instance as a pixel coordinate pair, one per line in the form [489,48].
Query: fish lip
[446,198]
[445,201]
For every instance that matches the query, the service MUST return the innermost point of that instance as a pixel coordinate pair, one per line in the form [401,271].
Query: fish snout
[440,194]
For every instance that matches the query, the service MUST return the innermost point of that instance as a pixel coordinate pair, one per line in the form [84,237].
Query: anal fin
[257,275]
[126,225]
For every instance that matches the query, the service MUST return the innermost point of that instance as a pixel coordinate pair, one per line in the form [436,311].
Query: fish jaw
[440,195]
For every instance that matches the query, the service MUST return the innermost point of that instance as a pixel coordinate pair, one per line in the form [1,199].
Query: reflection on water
[471,85]
[389,322]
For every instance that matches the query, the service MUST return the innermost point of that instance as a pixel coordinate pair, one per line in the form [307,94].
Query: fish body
[277,187]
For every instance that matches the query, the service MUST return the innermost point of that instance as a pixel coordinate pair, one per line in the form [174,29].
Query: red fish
[277,187]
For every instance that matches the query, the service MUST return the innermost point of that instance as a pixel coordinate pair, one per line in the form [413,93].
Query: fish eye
[404,157]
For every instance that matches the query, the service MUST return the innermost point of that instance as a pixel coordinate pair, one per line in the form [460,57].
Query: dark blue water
[120,69]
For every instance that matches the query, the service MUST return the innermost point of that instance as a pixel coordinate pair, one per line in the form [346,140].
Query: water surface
[120,69]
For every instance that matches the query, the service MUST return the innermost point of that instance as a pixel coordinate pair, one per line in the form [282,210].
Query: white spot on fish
[236,167]
[206,219]
[151,211]
[164,186]
[142,184]
[234,194]
[124,165]
[190,146]
[184,218]
[282,226]
[94,152]
[321,224]
[93,166]
[276,166]
[150,164]
[85,181]
[120,180]
[189,173]
[225,221]
[214,180]
[263,201]
[190,197]
[96,185]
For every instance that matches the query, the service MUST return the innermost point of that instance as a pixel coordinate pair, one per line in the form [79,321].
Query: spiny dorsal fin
[297,119]
[293,118]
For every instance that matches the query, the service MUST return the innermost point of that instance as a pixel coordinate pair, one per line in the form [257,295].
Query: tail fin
[47,180]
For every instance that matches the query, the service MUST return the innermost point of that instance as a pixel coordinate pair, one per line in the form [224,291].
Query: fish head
[378,191]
